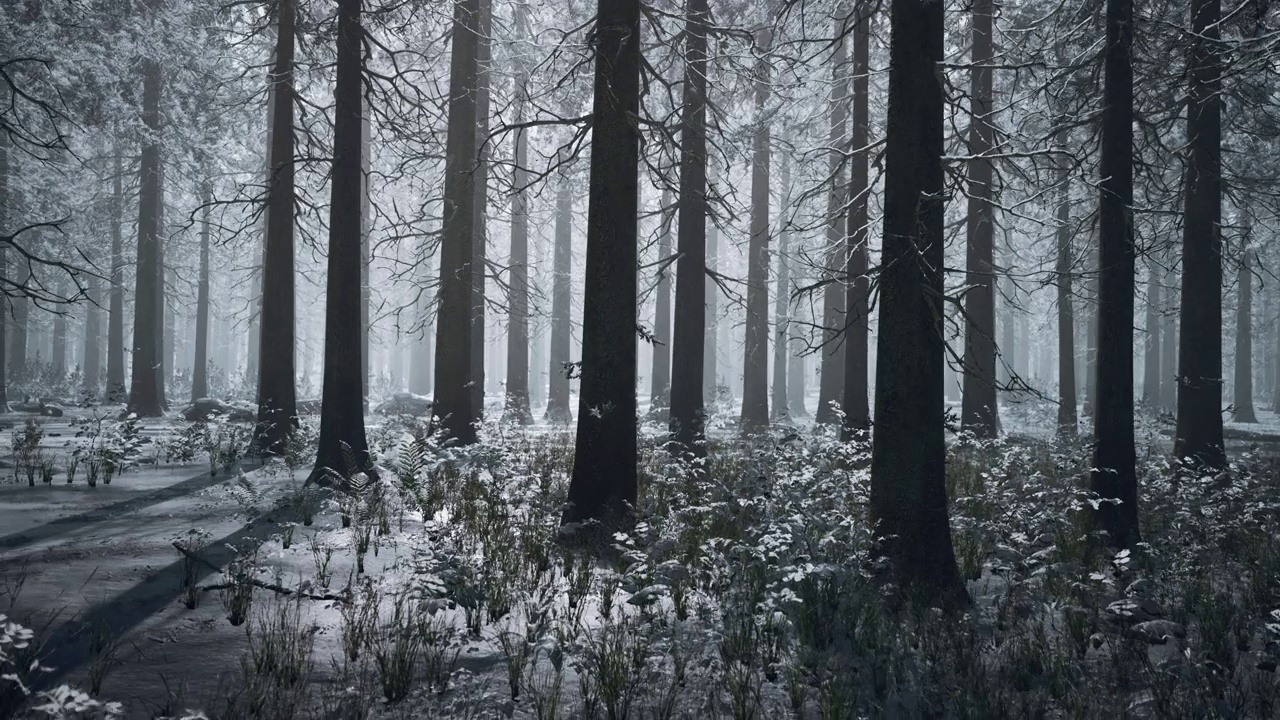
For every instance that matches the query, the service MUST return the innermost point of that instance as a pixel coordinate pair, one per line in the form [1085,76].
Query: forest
[542,359]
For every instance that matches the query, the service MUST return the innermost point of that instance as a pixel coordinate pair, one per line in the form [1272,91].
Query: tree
[603,483]
[1244,341]
[660,385]
[342,436]
[6,201]
[1151,344]
[454,404]
[908,456]
[1199,434]
[781,410]
[200,366]
[857,415]
[277,396]
[558,410]
[480,235]
[979,412]
[518,302]
[115,310]
[688,349]
[144,389]
[1068,424]
[755,374]
[830,390]
[1114,476]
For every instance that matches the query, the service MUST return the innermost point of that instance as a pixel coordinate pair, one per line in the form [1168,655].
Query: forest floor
[720,603]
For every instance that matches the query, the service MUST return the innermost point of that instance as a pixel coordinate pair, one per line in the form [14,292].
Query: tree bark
[277,395]
[480,236]
[1114,474]
[6,200]
[420,355]
[162,289]
[200,365]
[857,414]
[342,436]
[558,410]
[1244,343]
[1067,421]
[115,312]
[1169,348]
[979,411]
[518,303]
[755,364]
[830,382]
[1199,435]
[454,403]
[58,356]
[688,373]
[603,483]
[660,386]
[781,410]
[144,390]
[710,323]
[1151,343]
[908,457]
[366,252]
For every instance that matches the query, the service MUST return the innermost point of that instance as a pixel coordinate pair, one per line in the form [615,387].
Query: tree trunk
[603,484]
[710,323]
[688,352]
[92,358]
[1199,434]
[342,436]
[1244,343]
[144,390]
[781,306]
[1091,345]
[1151,344]
[908,458]
[558,410]
[979,411]
[277,395]
[830,382]
[1169,348]
[454,402]
[58,357]
[660,386]
[480,235]
[857,415]
[420,355]
[518,303]
[162,289]
[1114,474]
[755,364]
[253,354]
[366,252]
[797,368]
[5,213]
[115,312]
[200,366]
[1067,421]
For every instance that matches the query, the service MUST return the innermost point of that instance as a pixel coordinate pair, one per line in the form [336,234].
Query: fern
[246,491]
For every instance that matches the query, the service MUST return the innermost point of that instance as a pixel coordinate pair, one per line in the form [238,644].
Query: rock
[405,404]
[1134,610]
[1157,632]
[206,409]
[1141,588]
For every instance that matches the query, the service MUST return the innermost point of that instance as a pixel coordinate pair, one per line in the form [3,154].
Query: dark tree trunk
[1169,348]
[857,415]
[144,391]
[5,202]
[979,412]
[162,289]
[603,485]
[830,382]
[660,386]
[342,437]
[1067,421]
[115,311]
[1199,435]
[797,370]
[454,403]
[200,366]
[908,457]
[21,310]
[277,398]
[1114,474]
[1091,345]
[58,356]
[253,342]
[518,304]
[688,351]
[1244,344]
[710,323]
[480,236]
[366,253]
[1151,344]
[558,410]
[1275,387]
[781,307]
[92,359]
[755,364]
